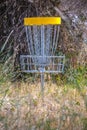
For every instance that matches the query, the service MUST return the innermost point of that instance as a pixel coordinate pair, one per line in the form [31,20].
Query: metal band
[42,21]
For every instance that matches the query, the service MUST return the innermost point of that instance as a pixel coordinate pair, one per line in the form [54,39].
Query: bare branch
[7,40]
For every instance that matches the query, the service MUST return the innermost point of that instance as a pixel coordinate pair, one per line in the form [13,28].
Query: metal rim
[42,21]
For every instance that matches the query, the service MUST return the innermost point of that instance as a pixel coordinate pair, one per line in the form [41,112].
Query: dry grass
[23,108]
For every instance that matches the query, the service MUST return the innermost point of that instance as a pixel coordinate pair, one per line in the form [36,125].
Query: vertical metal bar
[63,64]
[39,39]
[48,41]
[27,36]
[36,43]
[54,39]
[30,63]
[31,40]
[42,85]
[51,40]
[58,64]
[42,60]
[57,38]
[27,64]
[42,40]
[35,34]
[23,64]
[53,63]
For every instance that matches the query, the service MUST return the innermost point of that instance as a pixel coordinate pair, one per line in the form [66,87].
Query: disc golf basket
[42,39]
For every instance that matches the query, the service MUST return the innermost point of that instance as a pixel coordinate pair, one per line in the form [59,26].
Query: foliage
[84,123]
[73,77]
[77,76]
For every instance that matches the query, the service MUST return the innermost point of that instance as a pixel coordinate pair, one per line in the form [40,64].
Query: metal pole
[42,67]
[42,85]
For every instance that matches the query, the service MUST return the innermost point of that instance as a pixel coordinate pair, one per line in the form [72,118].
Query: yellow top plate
[42,21]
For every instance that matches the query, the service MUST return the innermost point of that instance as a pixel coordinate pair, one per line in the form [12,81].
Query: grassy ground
[22,106]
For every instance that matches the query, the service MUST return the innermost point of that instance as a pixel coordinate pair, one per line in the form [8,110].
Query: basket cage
[42,42]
